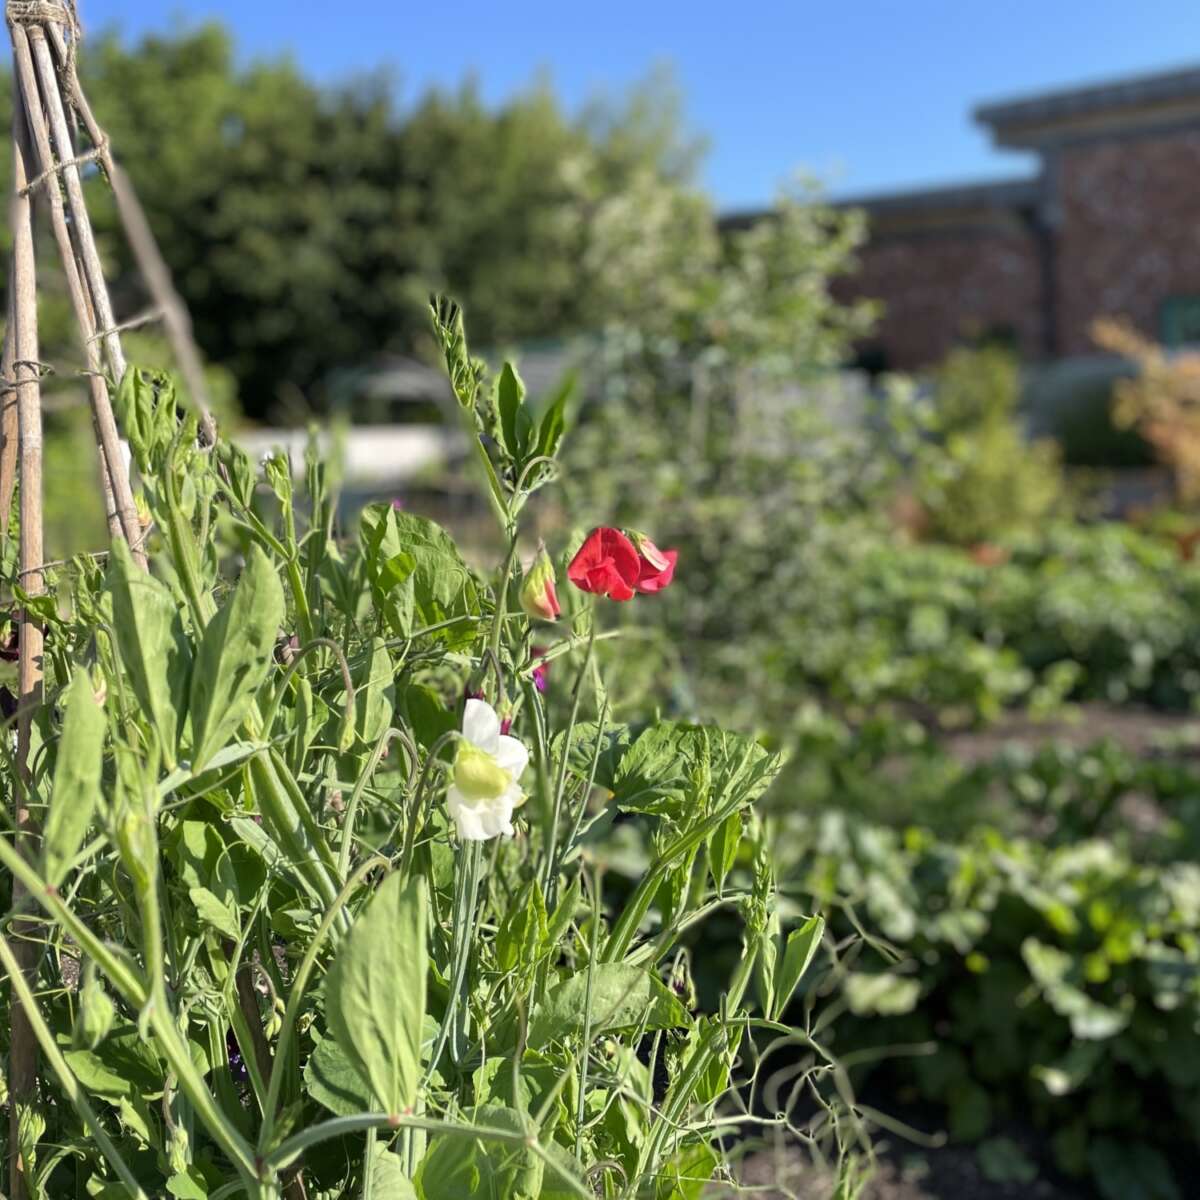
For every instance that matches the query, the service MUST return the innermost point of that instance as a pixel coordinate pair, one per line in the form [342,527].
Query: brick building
[1109,226]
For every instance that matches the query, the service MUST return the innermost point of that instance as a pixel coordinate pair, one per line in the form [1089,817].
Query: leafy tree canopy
[306,225]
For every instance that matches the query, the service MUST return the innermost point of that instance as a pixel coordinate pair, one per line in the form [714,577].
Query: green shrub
[983,480]
[1072,403]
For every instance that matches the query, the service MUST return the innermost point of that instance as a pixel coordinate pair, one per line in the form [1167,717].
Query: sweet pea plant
[319,895]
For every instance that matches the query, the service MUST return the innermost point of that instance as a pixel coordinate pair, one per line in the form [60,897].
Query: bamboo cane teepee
[49,109]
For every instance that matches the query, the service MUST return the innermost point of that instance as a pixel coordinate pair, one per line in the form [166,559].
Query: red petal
[606,563]
[652,579]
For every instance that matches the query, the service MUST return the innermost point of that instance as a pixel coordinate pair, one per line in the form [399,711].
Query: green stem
[466,890]
[66,1077]
[585,1054]
[296,997]
[635,909]
[550,882]
[495,493]
[288,1151]
[300,598]
[369,1164]
[360,786]
[269,716]
[183,548]
[410,831]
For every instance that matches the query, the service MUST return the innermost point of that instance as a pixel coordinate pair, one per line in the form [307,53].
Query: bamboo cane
[102,417]
[81,222]
[30,51]
[9,432]
[153,267]
[26,370]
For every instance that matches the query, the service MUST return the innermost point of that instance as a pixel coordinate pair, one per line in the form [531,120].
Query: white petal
[481,725]
[496,819]
[514,797]
[512,755]
[467,820]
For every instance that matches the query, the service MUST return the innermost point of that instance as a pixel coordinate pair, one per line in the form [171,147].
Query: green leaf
[802,944]
[553,423]
[373,694]
[882,994]
[623,997]
[333,1080]
[1126,1170]
[417,576]
[521,937]
[1063,1077]
[76,777]
[614,745]
[1090,1020]
[564,912]
[217,914]
[1001,1160]
[151,641]
[97,1076]
[95,1013]
[460,1168]
[654,774]
[448,328]
[561,1179]
[375,992]
[686,771]
[388,1180]
[516,425]
[125,1065]
[235,656]
[188,1185]
[425,714]
[723,847]
[687,1175]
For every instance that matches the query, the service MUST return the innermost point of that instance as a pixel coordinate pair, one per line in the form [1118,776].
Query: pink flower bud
[539,597]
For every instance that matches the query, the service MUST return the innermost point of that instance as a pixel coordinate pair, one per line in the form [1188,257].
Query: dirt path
[1140,731]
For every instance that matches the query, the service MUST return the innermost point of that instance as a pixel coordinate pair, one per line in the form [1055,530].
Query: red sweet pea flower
[656,568]
[606,564]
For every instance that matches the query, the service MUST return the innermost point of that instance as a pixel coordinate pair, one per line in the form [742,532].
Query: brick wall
[1130,232]
[941,287]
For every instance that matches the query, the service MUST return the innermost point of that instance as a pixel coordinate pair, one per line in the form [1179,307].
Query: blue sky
[868,94]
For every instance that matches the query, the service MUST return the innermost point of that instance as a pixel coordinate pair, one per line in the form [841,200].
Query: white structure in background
[399,424]
[377,458]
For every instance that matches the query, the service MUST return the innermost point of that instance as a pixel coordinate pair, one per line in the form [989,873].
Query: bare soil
[1140,731]
[903,1173]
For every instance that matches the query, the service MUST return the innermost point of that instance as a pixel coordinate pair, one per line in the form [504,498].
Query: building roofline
[1150,88]
[983,193]
[994,194]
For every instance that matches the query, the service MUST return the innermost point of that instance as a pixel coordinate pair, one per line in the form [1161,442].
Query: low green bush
[1071,612]
[1052,984]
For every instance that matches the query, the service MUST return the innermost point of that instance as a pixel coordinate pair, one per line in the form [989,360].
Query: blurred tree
[306,225]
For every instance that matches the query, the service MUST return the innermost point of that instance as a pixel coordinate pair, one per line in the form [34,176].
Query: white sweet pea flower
[484,790]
